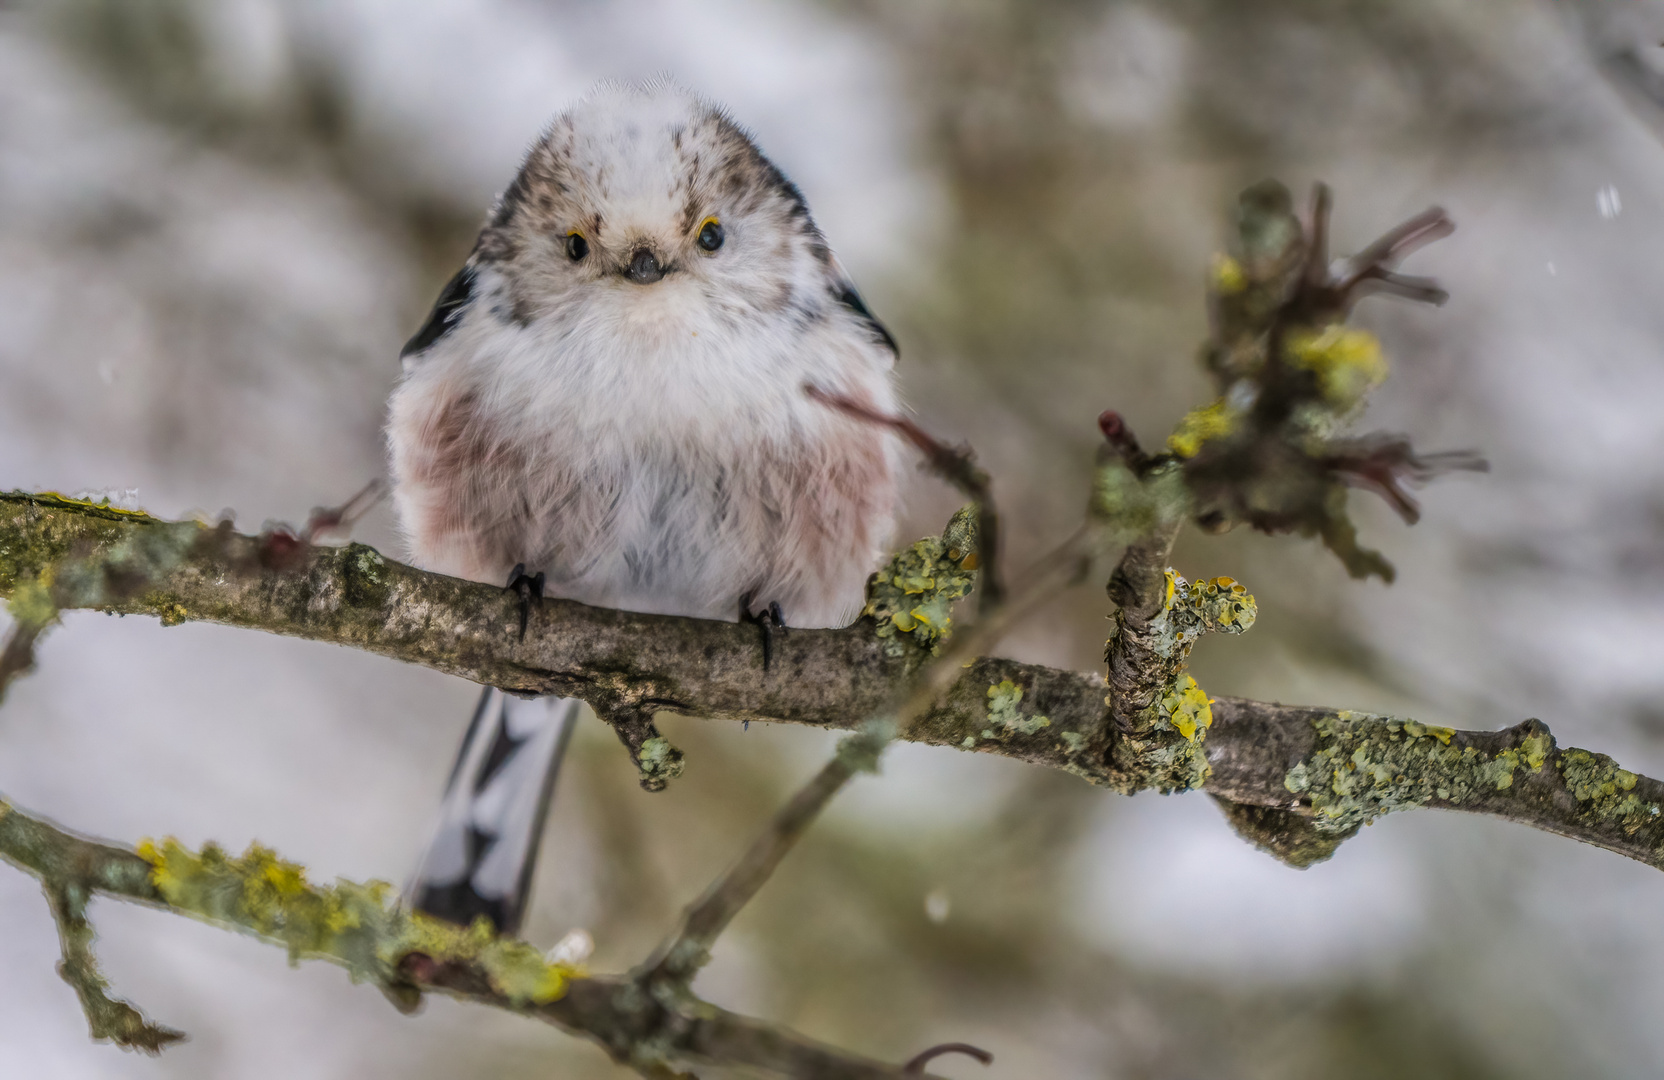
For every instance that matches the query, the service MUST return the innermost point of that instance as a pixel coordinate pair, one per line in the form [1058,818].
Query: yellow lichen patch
[355,925]
[914,594]
[53,498]
[1224,605]
[1165,749]
[1227,275]
[1347,362]
[1537,747]
[31,601]
[1201,426]
[1187,708]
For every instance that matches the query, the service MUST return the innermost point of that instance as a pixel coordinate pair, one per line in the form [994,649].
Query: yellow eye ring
[710,236]
[576,246]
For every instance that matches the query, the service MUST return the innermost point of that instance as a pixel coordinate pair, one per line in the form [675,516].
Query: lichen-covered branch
[403,953]
[107,1017]
[1340,770]
[120,561]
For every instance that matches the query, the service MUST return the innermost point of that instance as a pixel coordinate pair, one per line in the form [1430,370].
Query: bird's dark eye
[710,234]
[576,246]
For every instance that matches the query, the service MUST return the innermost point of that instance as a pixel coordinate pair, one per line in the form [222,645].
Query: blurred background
[219,219]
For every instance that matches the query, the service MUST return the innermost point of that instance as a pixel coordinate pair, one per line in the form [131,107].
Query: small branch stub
[1162,717]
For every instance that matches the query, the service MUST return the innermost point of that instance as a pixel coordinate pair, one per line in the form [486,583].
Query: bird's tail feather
[480,859]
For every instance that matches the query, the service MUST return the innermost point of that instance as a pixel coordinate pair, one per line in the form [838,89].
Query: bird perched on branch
[608,402]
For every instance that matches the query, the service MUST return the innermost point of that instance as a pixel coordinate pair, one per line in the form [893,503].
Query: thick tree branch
[1258,754]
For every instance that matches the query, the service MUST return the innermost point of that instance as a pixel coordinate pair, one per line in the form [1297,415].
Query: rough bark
[1257,753]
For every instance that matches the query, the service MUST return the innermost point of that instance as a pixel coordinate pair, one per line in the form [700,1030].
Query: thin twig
[955,464]
[17,656]
[107,1017]
[339,520]
[689,948]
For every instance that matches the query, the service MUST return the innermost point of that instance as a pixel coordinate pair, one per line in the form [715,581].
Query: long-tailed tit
[611,394]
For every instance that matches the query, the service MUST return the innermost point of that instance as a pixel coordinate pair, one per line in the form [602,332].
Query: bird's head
[649,204]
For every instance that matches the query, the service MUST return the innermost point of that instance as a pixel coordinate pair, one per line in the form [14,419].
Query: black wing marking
[846,295]
[447,312]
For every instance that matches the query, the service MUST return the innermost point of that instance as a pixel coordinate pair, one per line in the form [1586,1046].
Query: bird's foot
[770,619]
[530,591]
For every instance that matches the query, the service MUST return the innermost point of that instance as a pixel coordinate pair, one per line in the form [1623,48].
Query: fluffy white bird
[611,395]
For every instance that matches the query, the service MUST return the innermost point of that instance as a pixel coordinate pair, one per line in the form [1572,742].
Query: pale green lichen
[1609,791]
[913,596]
[1083,758]
[861,751]
[31,602]
[1365,767]
[364,576]
[356,925]
[1004,699]
[1123,500]
[659,761]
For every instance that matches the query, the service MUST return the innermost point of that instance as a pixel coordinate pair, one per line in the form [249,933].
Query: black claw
[770,620]
[530,590]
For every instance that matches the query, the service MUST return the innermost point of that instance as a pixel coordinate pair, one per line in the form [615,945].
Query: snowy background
[220,218]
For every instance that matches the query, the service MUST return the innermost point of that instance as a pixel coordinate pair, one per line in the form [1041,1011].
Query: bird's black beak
[644,269]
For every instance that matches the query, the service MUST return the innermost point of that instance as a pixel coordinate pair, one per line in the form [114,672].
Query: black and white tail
[480,859]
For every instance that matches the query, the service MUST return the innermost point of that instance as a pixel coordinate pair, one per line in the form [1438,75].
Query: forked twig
[330,520]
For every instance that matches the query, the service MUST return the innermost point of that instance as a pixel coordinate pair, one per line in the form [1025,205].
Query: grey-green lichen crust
[912,597]
[1365,766]
[1005,715]
[1166,747]
[659,761]
[1608,791]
